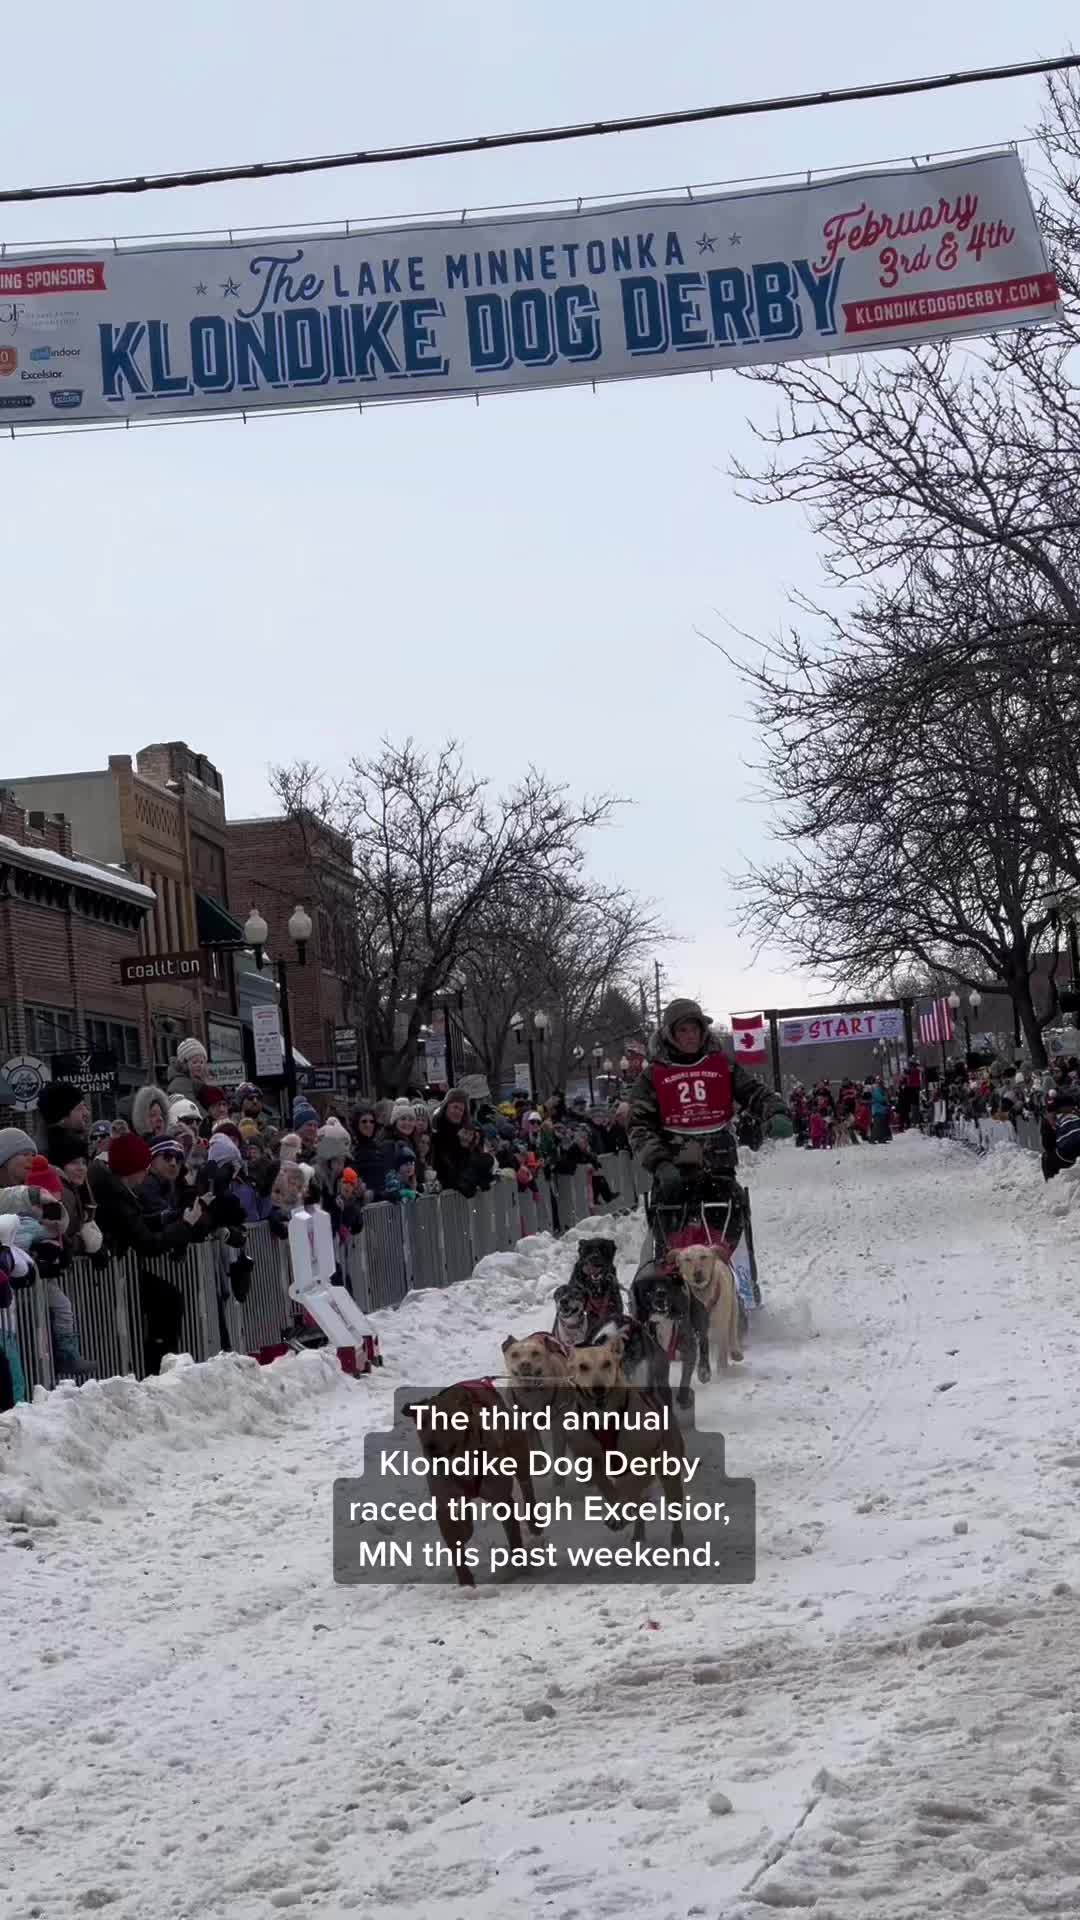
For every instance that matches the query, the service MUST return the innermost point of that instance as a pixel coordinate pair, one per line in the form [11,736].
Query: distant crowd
[193,1161]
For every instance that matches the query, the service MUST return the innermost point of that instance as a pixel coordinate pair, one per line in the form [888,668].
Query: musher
[680,1128]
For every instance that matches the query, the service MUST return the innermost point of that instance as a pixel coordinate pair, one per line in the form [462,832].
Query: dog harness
[474,1388]
[697,1099]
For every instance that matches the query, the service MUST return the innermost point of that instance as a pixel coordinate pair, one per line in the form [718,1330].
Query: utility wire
[533,137]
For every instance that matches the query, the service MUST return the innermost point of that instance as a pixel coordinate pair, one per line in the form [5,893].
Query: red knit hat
[40,1174]
[128,1154]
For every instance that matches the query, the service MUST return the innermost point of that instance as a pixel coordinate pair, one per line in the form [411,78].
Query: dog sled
[720,1220]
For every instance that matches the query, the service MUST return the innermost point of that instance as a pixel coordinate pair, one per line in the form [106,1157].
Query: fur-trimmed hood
[142,1111]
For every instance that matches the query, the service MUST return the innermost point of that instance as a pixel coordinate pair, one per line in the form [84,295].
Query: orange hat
[349,1176]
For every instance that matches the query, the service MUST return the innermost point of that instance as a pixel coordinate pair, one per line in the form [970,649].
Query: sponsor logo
[9,359]
[58,276]
[17,400]
[42,373]
[54,353]
[66,398]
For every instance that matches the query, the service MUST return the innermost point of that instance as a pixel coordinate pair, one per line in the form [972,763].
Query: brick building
[163,819]
[65,925]
[277,864]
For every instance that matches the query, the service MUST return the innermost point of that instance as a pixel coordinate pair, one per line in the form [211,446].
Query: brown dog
[629,1423]
[474,1455]
[710,1281]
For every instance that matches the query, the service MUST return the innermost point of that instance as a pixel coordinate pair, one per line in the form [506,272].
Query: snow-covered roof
[108,879]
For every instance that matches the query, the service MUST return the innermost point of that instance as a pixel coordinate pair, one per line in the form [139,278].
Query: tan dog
[621,1412]
[710,1281]
[477,1461]
[538,1378]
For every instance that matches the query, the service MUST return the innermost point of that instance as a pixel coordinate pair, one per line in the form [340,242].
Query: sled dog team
[597,1358]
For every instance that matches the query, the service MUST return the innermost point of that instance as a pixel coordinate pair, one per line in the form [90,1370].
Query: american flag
[937,1025]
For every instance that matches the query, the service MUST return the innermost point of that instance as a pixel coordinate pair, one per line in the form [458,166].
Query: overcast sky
[526,574]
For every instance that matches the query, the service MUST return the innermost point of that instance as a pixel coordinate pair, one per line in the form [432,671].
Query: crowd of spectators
[191,1162]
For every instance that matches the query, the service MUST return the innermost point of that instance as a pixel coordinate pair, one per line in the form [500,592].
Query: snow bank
[81,1447]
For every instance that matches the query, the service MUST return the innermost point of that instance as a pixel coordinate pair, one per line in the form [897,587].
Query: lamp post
[954,1008]
[597,1057]
[256,934]
[609,1074]
[541,1021]
[624,1068]
[974,1002]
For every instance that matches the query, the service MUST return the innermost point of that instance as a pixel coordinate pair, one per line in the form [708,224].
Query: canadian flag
[748,1030]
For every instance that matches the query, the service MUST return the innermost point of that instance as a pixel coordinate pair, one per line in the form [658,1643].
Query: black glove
[667,1183]
[240,1277]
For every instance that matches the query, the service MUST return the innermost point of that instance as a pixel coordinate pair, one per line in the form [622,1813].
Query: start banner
[842,1026]
[480,305]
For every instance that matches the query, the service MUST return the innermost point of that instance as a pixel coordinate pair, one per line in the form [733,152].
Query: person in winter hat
[69,1153]
[150,1114]
[16,1152]
[290,1147]
[306,1123]
[128,1228]
[668,1135]
[61,1104]
[190,1070]
[43,1239]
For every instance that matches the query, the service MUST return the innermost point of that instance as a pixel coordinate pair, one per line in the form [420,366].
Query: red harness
[474,1388]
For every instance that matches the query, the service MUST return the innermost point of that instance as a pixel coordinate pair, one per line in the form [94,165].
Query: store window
[115,1036]
[51,1030]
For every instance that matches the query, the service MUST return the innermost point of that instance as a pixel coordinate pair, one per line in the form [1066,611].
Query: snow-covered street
[198,1723]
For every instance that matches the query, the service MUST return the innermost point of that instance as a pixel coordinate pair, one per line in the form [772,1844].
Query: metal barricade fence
[422,1224]
[433,1241]
[457,1240]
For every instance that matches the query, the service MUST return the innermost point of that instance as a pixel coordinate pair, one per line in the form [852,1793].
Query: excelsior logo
[9,359]
[61,276]
[42,373]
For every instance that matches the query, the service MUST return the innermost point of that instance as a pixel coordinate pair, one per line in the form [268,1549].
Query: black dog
[591,1298]
[662,1331]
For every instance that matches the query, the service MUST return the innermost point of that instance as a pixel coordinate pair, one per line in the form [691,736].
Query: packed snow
[887,1724]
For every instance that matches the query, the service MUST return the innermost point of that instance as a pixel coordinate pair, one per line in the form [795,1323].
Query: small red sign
[54,276]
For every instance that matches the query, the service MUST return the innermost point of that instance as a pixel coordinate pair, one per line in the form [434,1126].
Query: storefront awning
[215,925]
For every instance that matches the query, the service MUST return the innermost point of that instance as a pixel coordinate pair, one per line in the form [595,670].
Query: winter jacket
[649,1143]
[127,1225]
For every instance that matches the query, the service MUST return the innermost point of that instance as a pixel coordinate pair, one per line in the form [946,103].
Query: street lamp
[541,1021]
[974,1002]
[256,935]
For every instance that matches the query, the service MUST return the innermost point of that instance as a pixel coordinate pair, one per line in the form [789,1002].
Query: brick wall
[61,938]
[269,867]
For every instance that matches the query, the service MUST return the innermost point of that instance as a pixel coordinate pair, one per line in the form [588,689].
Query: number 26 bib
[694,1099]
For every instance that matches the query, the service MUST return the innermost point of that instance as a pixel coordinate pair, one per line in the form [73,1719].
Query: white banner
[540,299]
[269,1046]
[831,1027]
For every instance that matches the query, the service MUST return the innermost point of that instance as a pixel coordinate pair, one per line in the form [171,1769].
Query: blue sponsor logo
[66,398]
[55,353]
[40,353]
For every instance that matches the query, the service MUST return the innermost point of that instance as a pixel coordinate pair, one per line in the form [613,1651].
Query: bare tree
[921,727]
[432,853]
[568,950]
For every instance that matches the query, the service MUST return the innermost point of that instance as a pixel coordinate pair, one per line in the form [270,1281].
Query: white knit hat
[190,1050]
[402,1110]
[182,1110]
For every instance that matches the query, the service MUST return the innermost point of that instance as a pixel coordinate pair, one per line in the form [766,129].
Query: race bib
[694,1099]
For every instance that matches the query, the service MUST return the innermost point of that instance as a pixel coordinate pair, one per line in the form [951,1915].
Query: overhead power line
[532,137]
